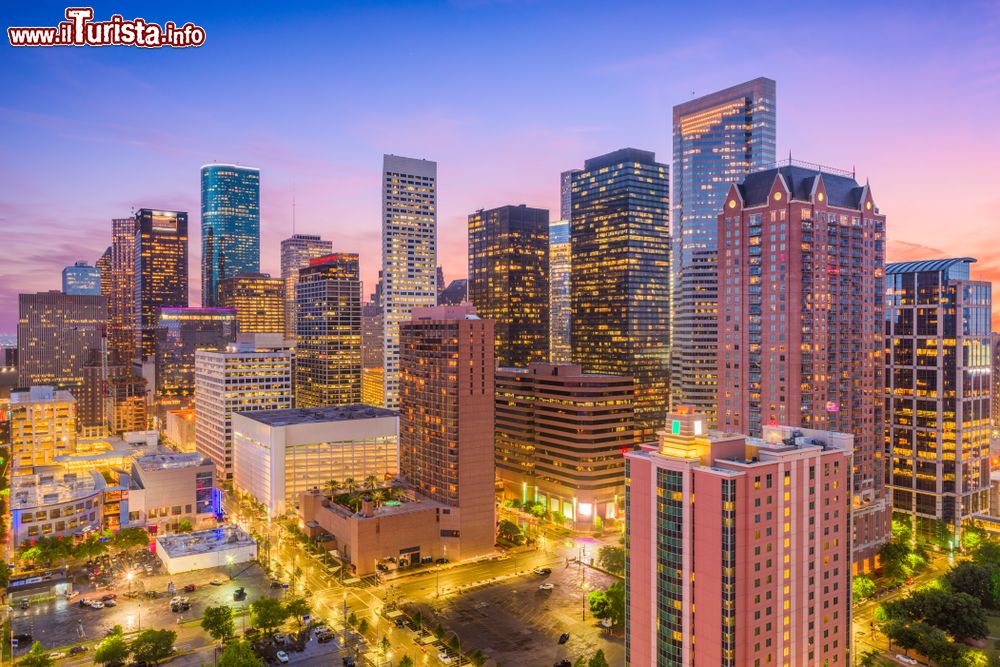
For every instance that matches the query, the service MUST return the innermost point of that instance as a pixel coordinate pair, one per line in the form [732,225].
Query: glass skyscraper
[718,140]
[161,271]
[230,225]
[559,293]
[81,278]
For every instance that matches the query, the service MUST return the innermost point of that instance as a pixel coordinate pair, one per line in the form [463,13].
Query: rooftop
[800,177]
[40,394]
[920,266]
[52,486]
[219,539]
[172,460]
[329,413]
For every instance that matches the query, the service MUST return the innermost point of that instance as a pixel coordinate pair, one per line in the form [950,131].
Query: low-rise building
[168,488]
[179,429]
[219,547]
[280,454]
[54,503]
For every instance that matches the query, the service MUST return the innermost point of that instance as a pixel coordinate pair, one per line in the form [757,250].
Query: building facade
[81,278]
[788,354]
[258,299]
[166,489]
[995,397]
[756,569]
[104,266]
[296,251]
[937,392]
[328,340]
[161,271]
[230,225]
[42,427]
[179,334]
[121,305]
[718,139]
[55,331]
[560,293]
[409,253]
[56,503]
[447,373]
[560,436]
[620,238]
[249,376]
[455,294]
[509,279]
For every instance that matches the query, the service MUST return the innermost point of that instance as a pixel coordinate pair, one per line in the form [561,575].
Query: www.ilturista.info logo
[79,29]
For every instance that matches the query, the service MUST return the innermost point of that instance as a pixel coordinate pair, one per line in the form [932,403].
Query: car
[324,637]
[109,603]
[23,638]
[189,588]
[217,581]
[152,595]
[251,632]
[400,622]
[108,596]
[275,583]
[563,638]
[444,657]
[281,639]
[562,663]
[546,586]
[77,650]
[239,594]
[347,661]
[24,603]
[905,659]
[441,561]
[281,656]
[909,581]
[96,604]
[542,571]
[58,655]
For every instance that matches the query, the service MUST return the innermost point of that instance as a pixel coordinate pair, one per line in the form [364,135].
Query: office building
[718,139]
[801,313]
[409,252]
[620,266]
[372,374]
[755,570]
[42,427]
[230,226]
[92,396]
[937,392]
[560,293]
[560,435]
[168,488]
[995,387]
[54,333]
[180,333]
[81,278]
[446,397]
[509,279]
[296,251]
[278,455]
[104,265]
[328,340]
[455,294]
[56,503]
[121,304]
[251,375]
[161,271]
[129,404]
[566,194]
[258,299]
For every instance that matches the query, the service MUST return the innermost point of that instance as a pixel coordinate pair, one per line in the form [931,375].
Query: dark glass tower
[620,240]
[230,225]
[161,275]
[509,280]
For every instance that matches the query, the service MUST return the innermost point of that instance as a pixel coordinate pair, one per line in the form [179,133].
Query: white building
[168,488]
[409,252]
[226,546]
[255,373]
[279,455]
[54,503]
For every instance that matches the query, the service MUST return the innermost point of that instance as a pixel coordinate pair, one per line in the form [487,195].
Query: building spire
[293,206]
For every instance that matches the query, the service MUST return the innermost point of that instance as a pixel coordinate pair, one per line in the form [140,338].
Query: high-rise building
[230,225]
[372,374]
[54,333]
[409,252]
[718,139]
[446,396]
[258,299]
[81,278]
[296,251]
[121,305]
[937,392]
[161,271]
[560,436]
[179,334]
[995,397]
[328,340]
[762,553]
[42,427]
[129,404]
[251,375]
[801,313]
[93,396]
[104,264]
[439,280]
[455,294]
[509,279]
[620,268]
[560,293]
[566,194]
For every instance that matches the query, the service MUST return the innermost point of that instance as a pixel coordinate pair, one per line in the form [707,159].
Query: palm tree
[350,484]
[371,481]
[379,496]
[331,485]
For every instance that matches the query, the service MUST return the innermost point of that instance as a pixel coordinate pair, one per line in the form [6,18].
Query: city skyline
[62,188]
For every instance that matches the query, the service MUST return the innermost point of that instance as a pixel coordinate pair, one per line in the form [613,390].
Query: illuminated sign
[832,407]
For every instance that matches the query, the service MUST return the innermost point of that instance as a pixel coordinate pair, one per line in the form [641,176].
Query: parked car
[152,595]
[281,656]
[189,588]
[347,661]
[109,603]
[217,581]
[543,571]
[546,586]
[444,657]
[77,650]
[24,603]
[905,659]
[563,638]
[58,655]
[96,604]
[275,583]
[441,561]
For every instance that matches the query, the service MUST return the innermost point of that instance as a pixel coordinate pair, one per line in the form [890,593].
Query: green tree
[958,614]
[239,654]
[902,529]
[972,537]
[127,539]
[36,657]
[477,658]
[152,646]
[350,484]
[370,482]
[438,632]
[352,620]
[508,531]
[612,558]
[580,662]
[113,650]
[609,603]
[454,643]
[184,526]
[331,485]
[4,570]
[598,660]
[90,548]
[298,608]
[405,661]
[863,587]
[968,577]
[870,658]
[987,554]
[893,556]
[418,619]
[218,622]
[267,614]
[363,626]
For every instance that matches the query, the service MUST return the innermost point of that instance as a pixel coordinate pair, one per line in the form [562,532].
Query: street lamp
[129,577]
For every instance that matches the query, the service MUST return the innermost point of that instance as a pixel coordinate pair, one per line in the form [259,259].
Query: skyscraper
[937,392]
[230,225]
[161,271]
[296,251]
[762,550]
[258,299]
[104,265]
[81,278]
[995,398]
[180,333]
[409,252]
[560,293]
[455,294]
[328,342]
[54,333]
[121,305]
[446,396]
[42,427]
[509,280]
[566,194]
[718,140]
[801,313]
[620,291]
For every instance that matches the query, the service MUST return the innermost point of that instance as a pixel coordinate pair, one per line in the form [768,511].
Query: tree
[869,658]
[352,620]
[580,662]
[863,587]
[298,608]
[127,539]
[418,619]
[363,626]
[36,657]
[438,632]
[508,531]
[331,485]
[405,661]
[987,555]
[477,658]
[609,603]
[385,645]
[239,654]
[90,548]
[612,558]
[454,643]
[893,557]
[350,484]
[218,622]
[113,650]
[370,482]
[967,577]
[151,646]
[598,660]
[267,614]
[184,526]
[958,614]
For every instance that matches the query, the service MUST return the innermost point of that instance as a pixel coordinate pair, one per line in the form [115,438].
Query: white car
[57,655]
[281,656]
[905,659]
[445,658]
[546,587]
[96,604]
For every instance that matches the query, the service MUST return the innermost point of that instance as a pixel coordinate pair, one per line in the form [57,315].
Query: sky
[504,95]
